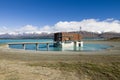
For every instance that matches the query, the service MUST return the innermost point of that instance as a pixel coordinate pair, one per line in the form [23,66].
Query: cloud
[47,29]
[28,28]
[3,30]
[24,29]
[94,25]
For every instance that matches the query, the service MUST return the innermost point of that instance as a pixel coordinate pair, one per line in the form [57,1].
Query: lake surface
[42,47]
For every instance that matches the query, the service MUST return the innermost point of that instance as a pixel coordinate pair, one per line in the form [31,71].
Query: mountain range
[84,34]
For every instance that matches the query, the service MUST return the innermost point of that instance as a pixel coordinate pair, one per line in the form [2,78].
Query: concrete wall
[66,45]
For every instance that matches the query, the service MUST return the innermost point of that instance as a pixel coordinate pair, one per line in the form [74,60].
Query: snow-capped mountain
[35,35]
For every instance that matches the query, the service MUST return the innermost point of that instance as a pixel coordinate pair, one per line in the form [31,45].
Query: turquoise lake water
[42,47]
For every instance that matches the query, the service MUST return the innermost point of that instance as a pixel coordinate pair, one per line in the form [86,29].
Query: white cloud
[47,29]
[3,30]
[94,25]
[67,26]
[28,28]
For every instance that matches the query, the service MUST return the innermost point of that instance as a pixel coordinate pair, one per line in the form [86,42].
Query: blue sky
[39,13]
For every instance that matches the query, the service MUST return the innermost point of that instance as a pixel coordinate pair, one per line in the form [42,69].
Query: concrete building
[68,40]
[65,36]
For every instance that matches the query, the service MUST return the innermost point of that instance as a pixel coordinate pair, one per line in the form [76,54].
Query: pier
[62,40]
[36,43]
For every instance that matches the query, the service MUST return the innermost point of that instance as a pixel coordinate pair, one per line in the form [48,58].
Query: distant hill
[114,39]
[105,35]
[85,34]
[26,36]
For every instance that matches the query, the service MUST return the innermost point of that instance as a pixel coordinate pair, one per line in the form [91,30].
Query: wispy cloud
[94,25]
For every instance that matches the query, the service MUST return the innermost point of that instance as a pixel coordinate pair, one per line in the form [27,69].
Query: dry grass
[94,71]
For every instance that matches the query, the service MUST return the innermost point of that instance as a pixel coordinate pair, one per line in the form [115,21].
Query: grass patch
[97,71]
[12,77]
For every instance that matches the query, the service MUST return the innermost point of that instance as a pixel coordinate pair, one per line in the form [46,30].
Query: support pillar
[75,46]
[47,46]
[81,44]
[37,46]
[23,46]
